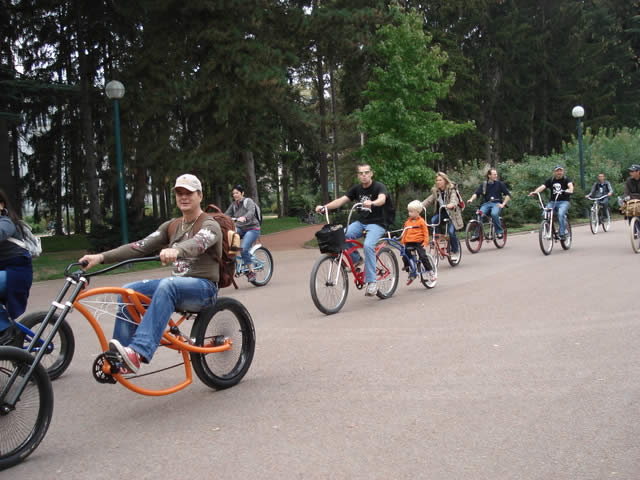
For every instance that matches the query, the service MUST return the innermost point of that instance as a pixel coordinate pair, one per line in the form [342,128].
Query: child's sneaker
[129,356]
[251,276]
[411,279]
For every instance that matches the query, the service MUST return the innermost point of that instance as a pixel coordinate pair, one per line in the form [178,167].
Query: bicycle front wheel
[60,352]
[262,266]
[566,242]
[329,284]
[24,426]
[501,242]
[433,251]
[635,234]
[387,272]
[606,219]
[228,318]
[545,237]
[594,221]
[473,236]
[454,258]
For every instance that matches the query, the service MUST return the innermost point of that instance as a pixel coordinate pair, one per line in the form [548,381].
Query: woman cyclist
[16,273]
[444,193]
[243,211]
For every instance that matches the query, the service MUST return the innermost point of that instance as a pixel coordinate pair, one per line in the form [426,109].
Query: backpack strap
[484,190]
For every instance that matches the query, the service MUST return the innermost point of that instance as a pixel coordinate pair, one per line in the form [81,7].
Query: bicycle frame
[440,240]
[257,264]
[344,257]
[135,304]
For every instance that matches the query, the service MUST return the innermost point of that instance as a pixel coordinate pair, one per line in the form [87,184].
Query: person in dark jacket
[243,212]
[16,272]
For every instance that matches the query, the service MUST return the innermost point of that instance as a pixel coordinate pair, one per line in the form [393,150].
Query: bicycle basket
[331,239]
[632,208]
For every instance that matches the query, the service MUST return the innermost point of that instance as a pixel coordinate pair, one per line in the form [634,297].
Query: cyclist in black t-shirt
[373,195]
[564,185]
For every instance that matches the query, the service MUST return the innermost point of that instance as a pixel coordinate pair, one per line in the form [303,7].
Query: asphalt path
[516,366]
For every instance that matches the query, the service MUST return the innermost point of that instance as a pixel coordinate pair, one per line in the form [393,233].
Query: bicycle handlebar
[596,199]
[439,218]
[67,271]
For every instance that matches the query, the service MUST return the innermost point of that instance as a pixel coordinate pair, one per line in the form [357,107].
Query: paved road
[516,366]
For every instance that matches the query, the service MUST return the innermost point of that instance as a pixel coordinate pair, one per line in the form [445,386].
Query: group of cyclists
[444,195]
[192,285]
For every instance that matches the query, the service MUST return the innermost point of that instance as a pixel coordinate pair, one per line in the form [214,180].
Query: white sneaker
[431,276]
[372,289]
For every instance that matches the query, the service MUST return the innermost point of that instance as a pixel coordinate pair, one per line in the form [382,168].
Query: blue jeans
[4,315]
[249,237]
[563,207]
[452,232]
[494,209]
[167,295]
[374,233]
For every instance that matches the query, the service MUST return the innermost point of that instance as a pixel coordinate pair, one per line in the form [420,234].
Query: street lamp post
[115,91]
[578,113]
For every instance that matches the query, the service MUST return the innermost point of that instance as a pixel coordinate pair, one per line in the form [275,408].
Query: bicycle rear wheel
[262,266]
[606,219]
[473,236]
[329,284]
[594,221]
[387,272]
[228,318]
[60,352]
[23,427]
[545,237]
[635,234]
[501,242]
[566,243]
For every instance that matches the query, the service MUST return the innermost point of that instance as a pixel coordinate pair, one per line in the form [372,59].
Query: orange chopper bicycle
[219,348]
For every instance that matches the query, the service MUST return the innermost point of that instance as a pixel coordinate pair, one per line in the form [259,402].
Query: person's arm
[540,189]
[425,233]
[229,211]
[609,189]
[592,191]
[332,205]
[378,202]
[506,200]
[250,209]
[570,187]
[147,246]
[7,228]
[476,194]
[473,197]
[627,188]
[426,203]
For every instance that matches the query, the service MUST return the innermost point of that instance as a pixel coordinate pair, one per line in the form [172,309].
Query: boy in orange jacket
[416,237]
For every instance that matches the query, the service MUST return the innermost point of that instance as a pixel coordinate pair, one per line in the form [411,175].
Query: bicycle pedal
[115,360]
[98,370]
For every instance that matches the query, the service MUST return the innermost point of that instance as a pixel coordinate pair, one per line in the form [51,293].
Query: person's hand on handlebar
[451,206]
[91,260]
[168,255]
[319,208]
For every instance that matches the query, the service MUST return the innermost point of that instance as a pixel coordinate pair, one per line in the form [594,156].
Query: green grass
[59,251]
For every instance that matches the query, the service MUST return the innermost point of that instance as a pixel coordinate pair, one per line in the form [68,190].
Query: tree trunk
[334,129]
[139,192]
[7,182]
[95,215]
[321,156]
[252,184]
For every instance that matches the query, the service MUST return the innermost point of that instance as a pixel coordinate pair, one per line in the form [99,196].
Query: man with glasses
[373,196]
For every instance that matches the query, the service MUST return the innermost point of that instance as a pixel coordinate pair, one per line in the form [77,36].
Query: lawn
[59,251]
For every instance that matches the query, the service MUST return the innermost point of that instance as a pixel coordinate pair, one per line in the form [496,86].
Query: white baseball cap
[188,181]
